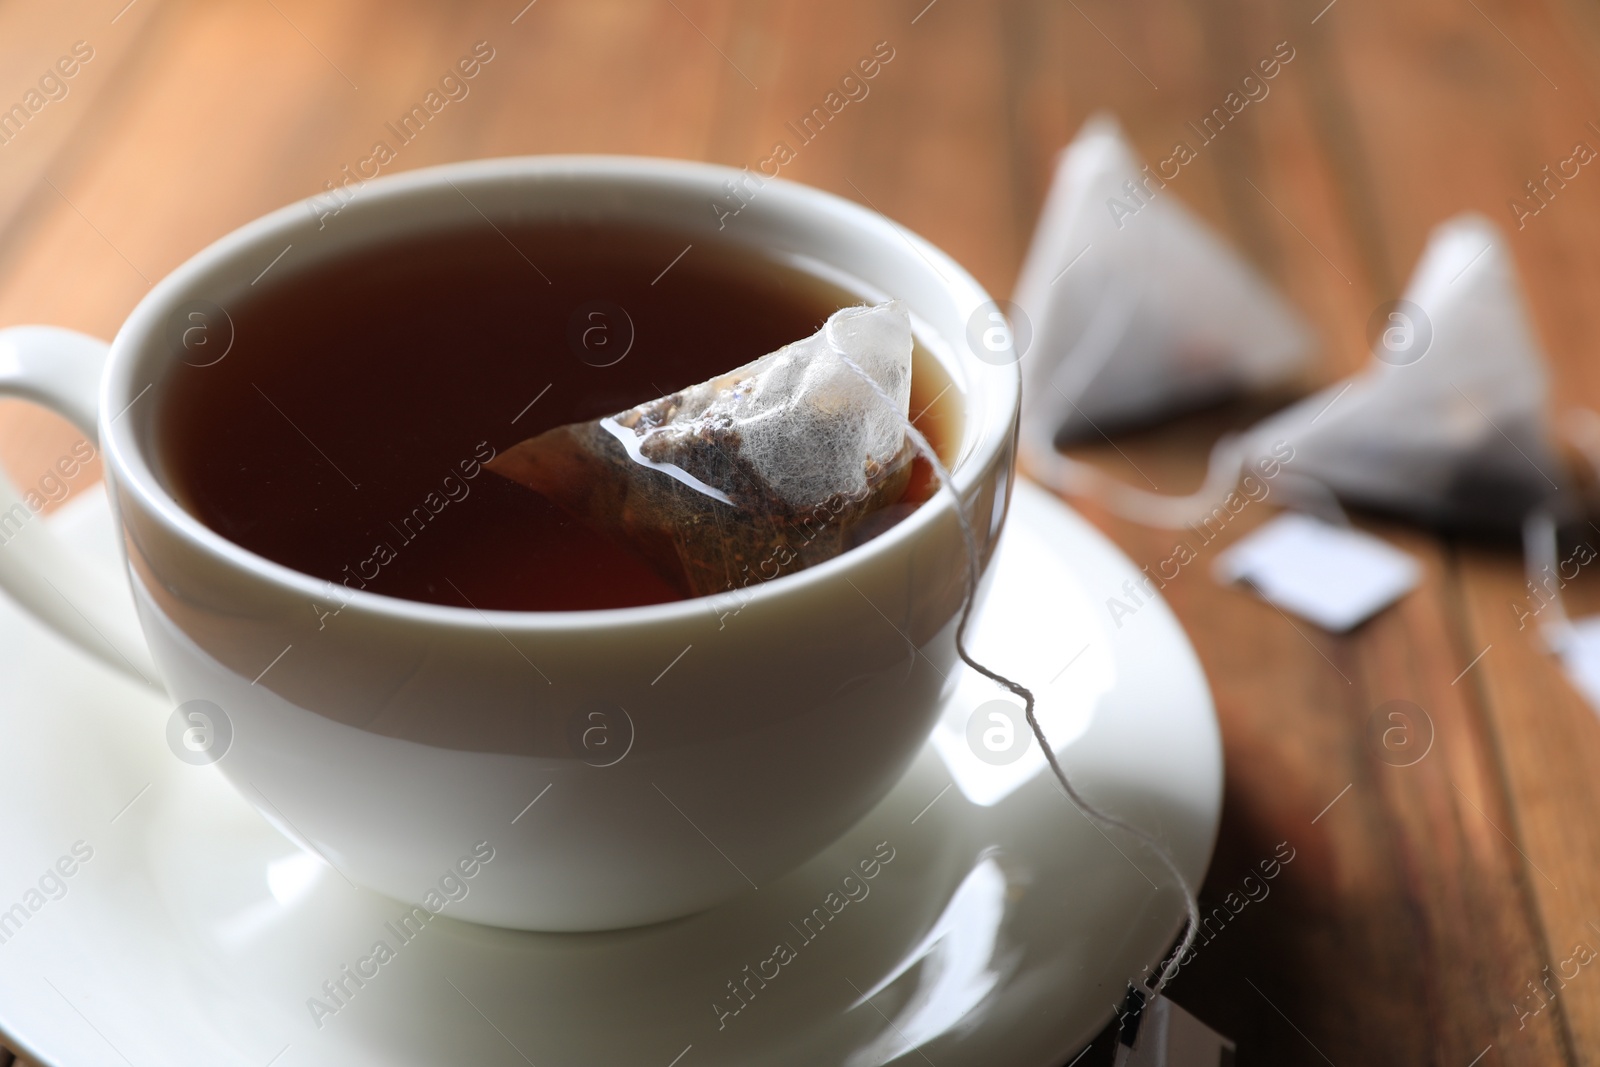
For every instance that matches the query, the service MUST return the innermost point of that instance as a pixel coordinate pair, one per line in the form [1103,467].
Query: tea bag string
[1579,427]
[1077,478]
[1094,814]
[1540,551]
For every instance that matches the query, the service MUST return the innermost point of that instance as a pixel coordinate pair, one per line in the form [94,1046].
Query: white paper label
[1335,576]
[1168,1036]
[1580,655]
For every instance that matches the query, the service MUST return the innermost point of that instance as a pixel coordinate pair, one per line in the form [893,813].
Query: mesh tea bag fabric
[757,472]
[1138,309]
[1447,424]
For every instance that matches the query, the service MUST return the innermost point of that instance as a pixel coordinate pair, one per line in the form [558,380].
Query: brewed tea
[345,432]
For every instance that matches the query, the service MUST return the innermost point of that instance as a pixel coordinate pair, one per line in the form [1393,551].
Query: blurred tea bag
[760,471]
[1138,310]
[1446,425]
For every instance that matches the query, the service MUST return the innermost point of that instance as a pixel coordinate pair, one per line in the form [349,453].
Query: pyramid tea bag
[1138,309]
[766,469]
[1446,425]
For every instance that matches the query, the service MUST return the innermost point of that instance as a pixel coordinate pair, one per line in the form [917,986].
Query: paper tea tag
[1335,576]
[1580,655]
[1162,1034]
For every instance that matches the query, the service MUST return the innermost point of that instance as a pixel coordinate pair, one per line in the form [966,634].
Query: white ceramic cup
[396,738]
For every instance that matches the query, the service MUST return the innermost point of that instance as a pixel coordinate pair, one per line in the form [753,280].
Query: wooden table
[1423,900]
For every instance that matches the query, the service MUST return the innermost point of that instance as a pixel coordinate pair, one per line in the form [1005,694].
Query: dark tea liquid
[343,435]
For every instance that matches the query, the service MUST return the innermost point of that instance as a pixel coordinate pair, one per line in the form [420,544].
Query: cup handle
[71,591]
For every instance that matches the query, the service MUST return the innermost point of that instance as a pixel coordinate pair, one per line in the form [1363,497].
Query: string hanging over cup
[1101,818]
[723,471]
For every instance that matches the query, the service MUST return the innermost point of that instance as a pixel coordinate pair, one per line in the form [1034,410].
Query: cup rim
[992,400]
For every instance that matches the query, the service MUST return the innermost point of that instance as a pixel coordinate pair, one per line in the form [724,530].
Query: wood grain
[1423,899]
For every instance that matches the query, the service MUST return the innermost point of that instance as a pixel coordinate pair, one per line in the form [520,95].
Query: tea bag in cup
[767,469]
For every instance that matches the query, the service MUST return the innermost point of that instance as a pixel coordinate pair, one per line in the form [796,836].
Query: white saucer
[1000,933]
